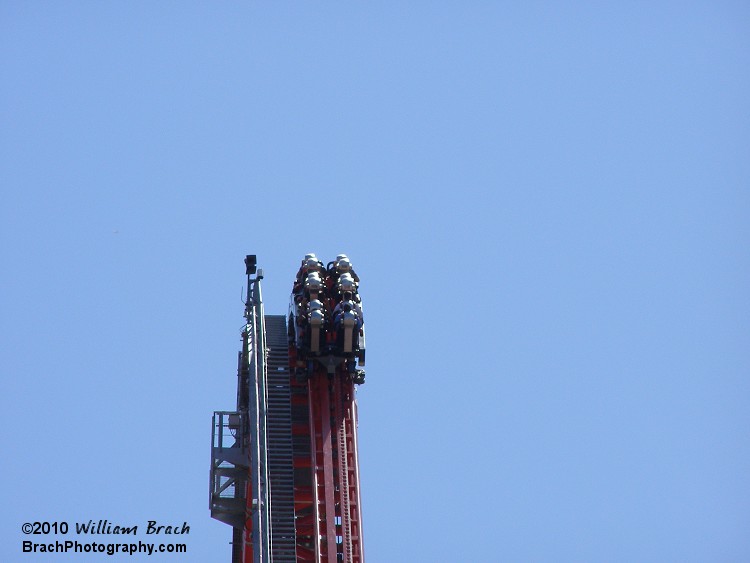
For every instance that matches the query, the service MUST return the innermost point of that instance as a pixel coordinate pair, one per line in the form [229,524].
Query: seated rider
[346,285]
[348,299]
[310,264]
[316,319]
[342,265]
[347,314]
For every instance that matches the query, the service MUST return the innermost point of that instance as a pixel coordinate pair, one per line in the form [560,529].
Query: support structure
[334,469]
[284,466]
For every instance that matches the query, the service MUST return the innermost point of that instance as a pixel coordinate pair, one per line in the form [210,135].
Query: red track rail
[327,498]
[327,505]
[348,470]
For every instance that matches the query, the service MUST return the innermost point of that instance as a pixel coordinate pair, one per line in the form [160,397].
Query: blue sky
[548,208]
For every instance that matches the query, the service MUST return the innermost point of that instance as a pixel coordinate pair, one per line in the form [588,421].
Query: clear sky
[548,207]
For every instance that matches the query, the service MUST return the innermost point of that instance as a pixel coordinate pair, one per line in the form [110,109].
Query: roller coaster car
[318,332]
[311,333]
